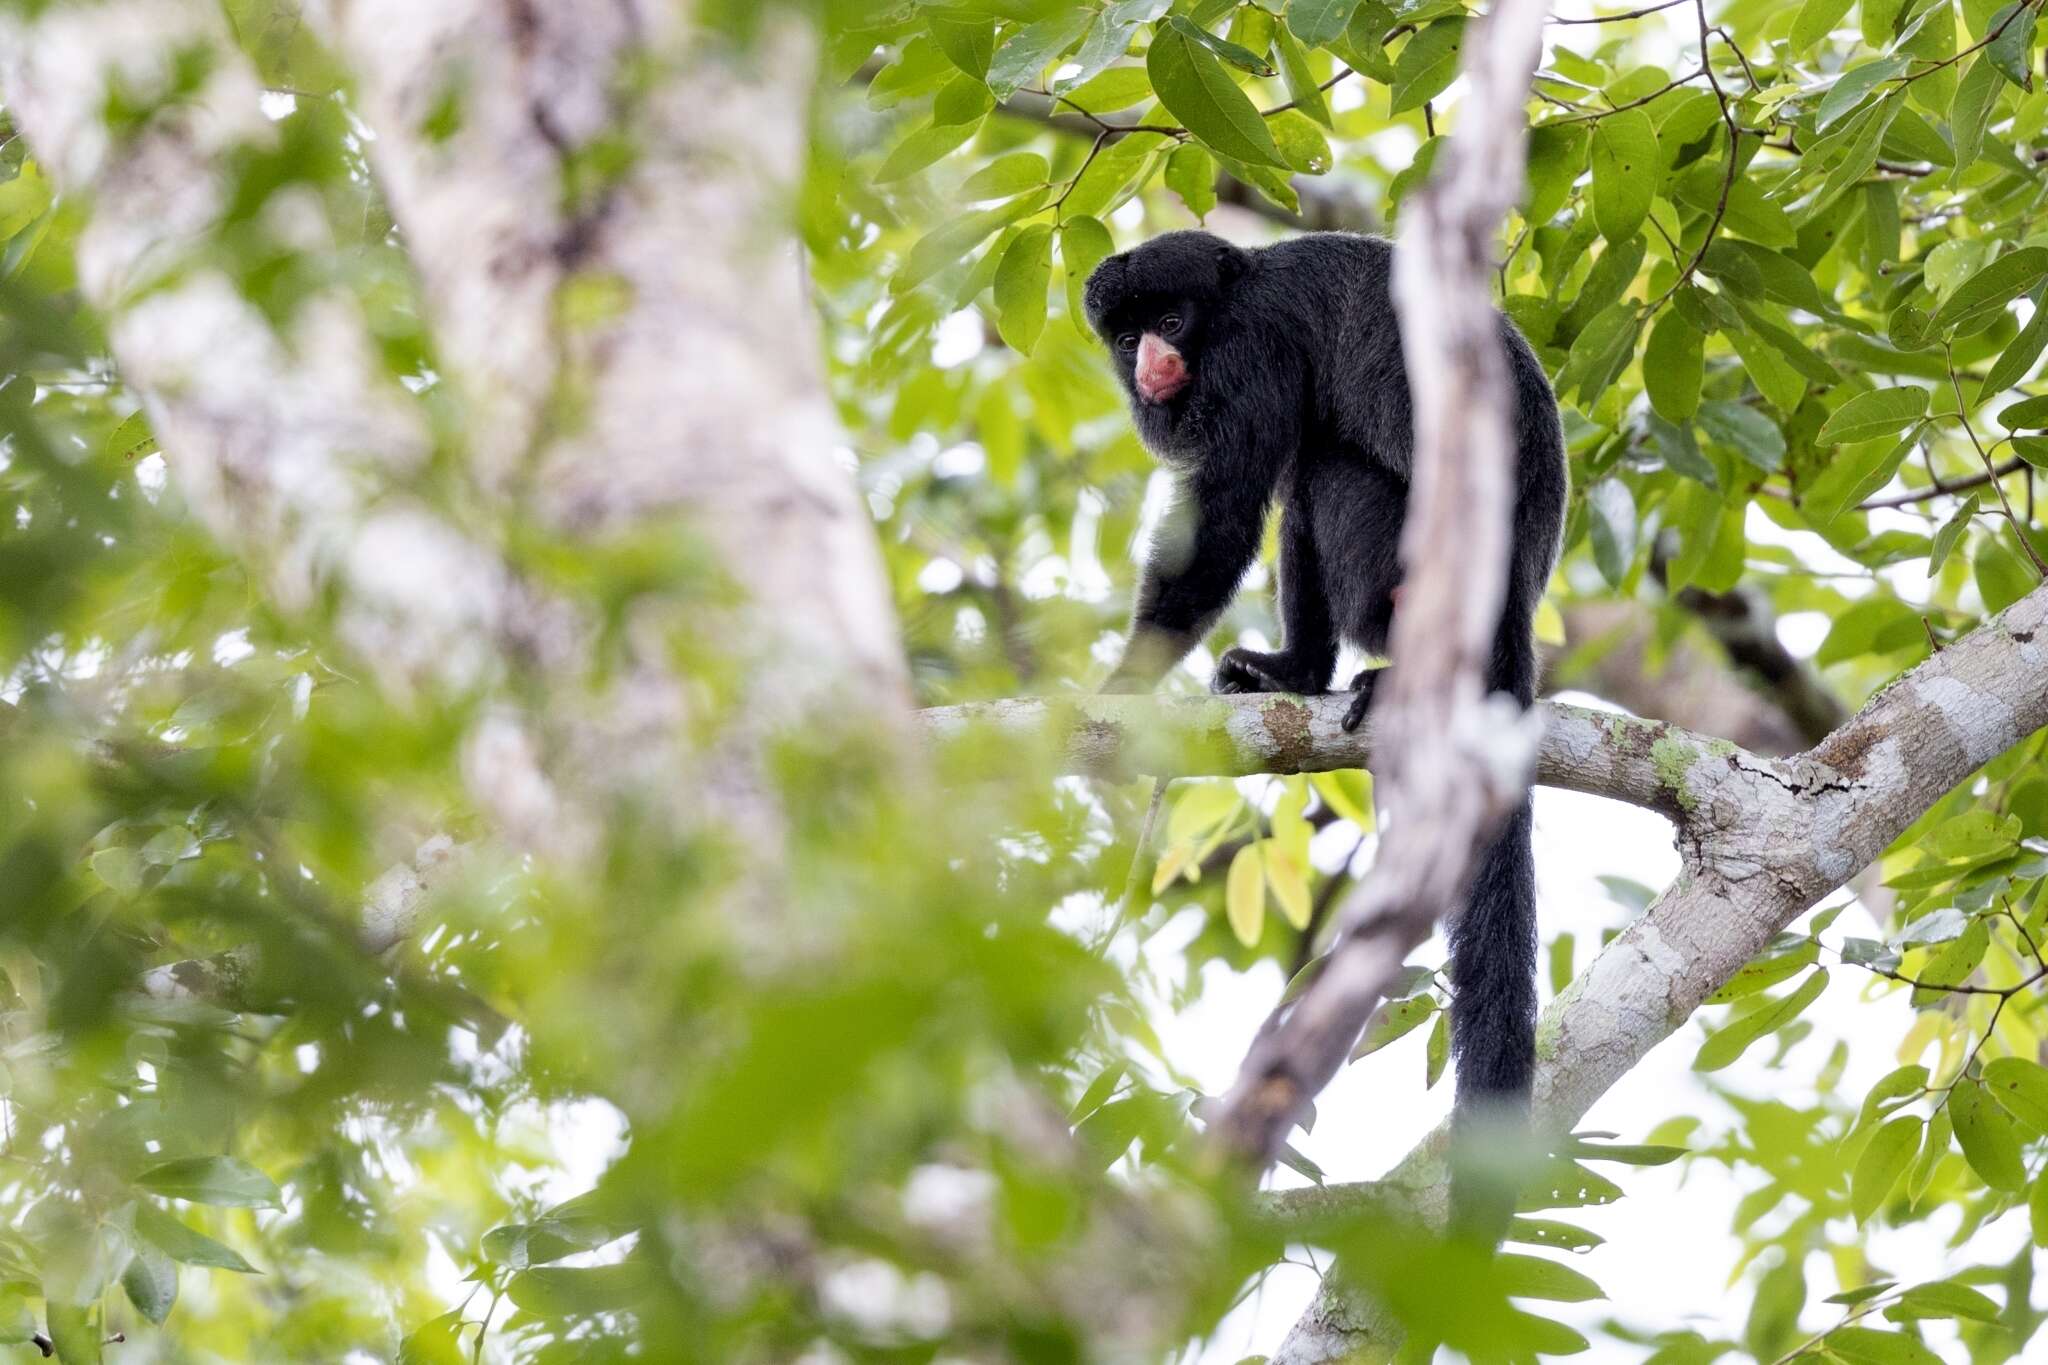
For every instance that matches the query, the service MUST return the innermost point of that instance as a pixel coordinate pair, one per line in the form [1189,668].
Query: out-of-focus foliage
[1791,303]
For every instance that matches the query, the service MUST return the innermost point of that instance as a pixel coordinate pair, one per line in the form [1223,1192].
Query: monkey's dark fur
[1297,391]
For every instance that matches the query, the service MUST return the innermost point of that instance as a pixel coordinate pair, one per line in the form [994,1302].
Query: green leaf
[1557,154]
[132,439]
[1986,1137]
[1875,415]
[2037,1211]
[74,1335]
[226,1181]
[1680,453]
[1244,895]
[1601,352]
[437,1341]
[1550,1233]
[1107,180]
[1120,87]
[1317,22]
[1970,113]
[1815,20]
[2014,27]
[2026,415]
[1856,631]
[1010,174]
[1764,972]
[1853,86]
[2019,357]
[1869,1346]
[516,1246]
[1885,1158]
[1427,64]
[1106,42]
[1754,216]
[1191,174]
[1611,523]
[557,1291]
[1031,48]
[151,1283]
[1302,87]
[1535,1277]
[120,868]
[1674,365]
[1243,58]
[963,100]
[1942,1299]
[1544,1336]
[1624,157]
[1749,433]
[2003,578]
[1951,531]
[1734,1038]
[948,243]
[1437,1054]
[174,1239]
[1393,1019]
[922,148]
[1982,297]
[1195,90]
[1302,145]
[1020,286]
[23,199]
[1625,1153]
[1861,138]
[2021,1087]
[1084,244]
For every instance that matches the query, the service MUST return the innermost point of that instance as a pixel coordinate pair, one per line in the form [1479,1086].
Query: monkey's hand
[1363,685]
[1248,670]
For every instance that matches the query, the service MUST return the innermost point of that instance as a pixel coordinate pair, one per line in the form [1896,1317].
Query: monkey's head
[1156,305]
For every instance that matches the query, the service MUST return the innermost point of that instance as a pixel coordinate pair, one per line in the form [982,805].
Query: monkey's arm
[1198,558]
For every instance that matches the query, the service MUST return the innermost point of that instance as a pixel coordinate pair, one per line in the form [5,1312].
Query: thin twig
[1598,114]
[1963,485]
[1734,159]
[1618,18]
[1963,415]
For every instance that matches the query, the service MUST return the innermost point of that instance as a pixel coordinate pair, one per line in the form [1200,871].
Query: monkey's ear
[1231,262]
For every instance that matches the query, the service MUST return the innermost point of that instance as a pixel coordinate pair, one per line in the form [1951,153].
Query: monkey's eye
[1127,342]
[1170,324]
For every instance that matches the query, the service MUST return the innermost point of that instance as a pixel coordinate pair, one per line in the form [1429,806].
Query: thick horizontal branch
[1596,752]
[1763,842]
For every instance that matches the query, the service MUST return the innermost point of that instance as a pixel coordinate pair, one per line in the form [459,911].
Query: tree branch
[1599,753]
[1453,764]
[1763,842]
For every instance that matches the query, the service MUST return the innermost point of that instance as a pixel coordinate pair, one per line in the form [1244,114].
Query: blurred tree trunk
[626,357]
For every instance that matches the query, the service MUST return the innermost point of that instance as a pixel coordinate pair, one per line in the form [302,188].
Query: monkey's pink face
[1161,372]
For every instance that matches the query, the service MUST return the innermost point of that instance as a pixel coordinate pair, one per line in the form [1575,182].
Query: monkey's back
[1335,290]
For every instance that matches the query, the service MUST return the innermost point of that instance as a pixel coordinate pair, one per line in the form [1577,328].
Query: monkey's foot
[1248,670]
[1363,685]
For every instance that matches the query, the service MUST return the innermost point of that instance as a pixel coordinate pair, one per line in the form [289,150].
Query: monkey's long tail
[1493,1018]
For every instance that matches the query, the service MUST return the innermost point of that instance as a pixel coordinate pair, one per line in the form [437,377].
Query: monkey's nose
[1164,377]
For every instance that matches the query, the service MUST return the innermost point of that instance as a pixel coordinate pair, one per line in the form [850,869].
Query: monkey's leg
[1199,556]
[1304,662]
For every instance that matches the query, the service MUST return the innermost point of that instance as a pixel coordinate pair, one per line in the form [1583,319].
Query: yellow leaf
[1244,897]
[1288,876]
[1201,807]
[1349,792]
[1180,858]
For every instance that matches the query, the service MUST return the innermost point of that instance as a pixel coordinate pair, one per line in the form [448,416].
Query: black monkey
[1276,372]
